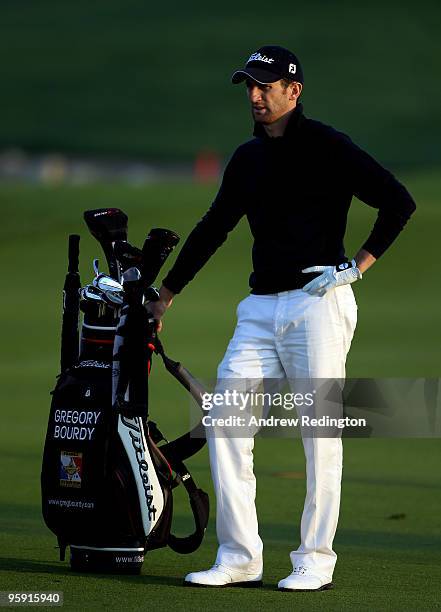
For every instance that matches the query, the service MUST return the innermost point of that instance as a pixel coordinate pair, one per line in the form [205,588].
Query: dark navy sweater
[295,191]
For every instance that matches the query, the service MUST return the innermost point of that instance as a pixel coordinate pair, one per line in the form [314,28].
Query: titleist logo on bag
[140,454]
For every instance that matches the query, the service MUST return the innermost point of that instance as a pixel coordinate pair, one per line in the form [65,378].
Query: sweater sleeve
[377,187]
[211,231]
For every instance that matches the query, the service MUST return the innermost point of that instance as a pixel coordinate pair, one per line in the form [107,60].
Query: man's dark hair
[286,82]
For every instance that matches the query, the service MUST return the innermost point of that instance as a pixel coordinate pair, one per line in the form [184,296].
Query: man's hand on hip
[331,277]
[159,307]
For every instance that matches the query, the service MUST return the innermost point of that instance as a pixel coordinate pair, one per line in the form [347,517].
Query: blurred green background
[151,82]
[153,79]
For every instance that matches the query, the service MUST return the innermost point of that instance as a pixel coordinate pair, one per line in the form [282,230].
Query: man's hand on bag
[159,307]
[331,277]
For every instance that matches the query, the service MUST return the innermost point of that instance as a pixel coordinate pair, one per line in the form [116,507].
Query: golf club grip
[73,252]
[71,306]
[157,247]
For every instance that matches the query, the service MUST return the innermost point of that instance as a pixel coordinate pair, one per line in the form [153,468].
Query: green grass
[153,79]
[384,564]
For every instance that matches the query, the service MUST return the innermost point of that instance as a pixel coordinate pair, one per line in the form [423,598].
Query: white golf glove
[331,277]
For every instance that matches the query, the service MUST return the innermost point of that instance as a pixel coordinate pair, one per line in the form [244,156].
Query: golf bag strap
[200,506]
[190,443]
[182,375]
[185,446]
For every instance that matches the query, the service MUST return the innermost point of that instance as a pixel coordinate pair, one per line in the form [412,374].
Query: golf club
[108,225]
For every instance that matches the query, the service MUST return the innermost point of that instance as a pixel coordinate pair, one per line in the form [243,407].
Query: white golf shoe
[303,579]
[221,576]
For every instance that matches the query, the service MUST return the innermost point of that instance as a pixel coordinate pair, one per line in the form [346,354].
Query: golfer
[294,181]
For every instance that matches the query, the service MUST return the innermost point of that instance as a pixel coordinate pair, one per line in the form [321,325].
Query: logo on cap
[257,57]
[292,68]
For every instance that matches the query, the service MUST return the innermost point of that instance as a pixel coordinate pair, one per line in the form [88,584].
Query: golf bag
[106,480]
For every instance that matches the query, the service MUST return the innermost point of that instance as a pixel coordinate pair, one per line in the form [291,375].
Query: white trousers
[298,336]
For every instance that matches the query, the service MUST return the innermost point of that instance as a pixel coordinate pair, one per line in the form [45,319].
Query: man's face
[269,102]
